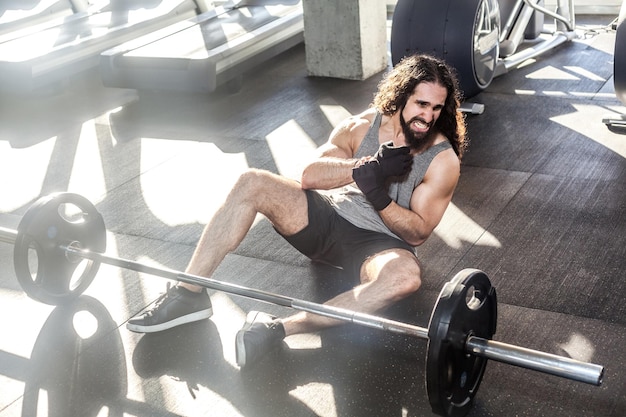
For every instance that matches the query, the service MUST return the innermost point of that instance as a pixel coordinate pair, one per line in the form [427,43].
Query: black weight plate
[467,306]
[70,371]
[43,230]
[464,33]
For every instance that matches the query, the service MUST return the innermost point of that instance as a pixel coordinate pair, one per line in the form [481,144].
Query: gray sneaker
[260,335]
[176,306]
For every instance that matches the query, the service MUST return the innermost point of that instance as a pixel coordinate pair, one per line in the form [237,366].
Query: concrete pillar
[345,38]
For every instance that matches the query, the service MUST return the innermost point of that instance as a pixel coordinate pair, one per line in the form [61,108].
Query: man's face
[421,111]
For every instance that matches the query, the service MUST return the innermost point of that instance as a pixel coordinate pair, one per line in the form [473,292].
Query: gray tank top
[352,205]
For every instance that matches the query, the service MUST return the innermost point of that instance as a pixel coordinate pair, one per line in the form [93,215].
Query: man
[392,170]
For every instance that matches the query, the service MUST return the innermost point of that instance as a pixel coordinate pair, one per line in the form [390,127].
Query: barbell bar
[502,352]
[54,239]
[490,349]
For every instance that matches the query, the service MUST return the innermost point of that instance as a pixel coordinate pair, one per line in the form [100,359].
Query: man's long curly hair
[398,85]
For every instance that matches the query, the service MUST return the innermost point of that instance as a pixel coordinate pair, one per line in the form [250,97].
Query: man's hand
[394,161]
[370,179]
[370,174]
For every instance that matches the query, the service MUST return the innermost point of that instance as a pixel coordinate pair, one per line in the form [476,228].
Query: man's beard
[415,140]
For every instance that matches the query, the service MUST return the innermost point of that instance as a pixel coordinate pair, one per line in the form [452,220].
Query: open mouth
[419,125]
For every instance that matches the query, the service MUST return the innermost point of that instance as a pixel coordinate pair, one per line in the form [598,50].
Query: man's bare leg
[385,278]
[255,192]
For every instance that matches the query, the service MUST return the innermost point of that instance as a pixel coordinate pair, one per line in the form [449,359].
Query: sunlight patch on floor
[87,178]
[292,149]
[325,406]
[25,170]
[456,228]
[191,186]
[594,130]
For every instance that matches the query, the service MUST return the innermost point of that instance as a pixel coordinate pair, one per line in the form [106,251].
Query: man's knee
[256,186]
[251,178]
[281,200]
[409,278]
[398,270]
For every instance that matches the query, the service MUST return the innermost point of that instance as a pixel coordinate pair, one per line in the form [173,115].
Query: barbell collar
[536,360]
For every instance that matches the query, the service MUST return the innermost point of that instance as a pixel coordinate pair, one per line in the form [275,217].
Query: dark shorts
[331,239]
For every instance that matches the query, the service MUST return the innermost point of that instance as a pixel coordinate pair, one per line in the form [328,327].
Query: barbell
[60,243]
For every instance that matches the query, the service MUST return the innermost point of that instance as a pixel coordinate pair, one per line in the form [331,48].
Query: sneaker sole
[189,318]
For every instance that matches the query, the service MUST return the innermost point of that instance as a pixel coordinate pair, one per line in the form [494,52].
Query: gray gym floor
[541,208]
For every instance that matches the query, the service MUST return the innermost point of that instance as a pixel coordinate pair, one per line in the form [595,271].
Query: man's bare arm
[331,170]
[333,167]
[428,202]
